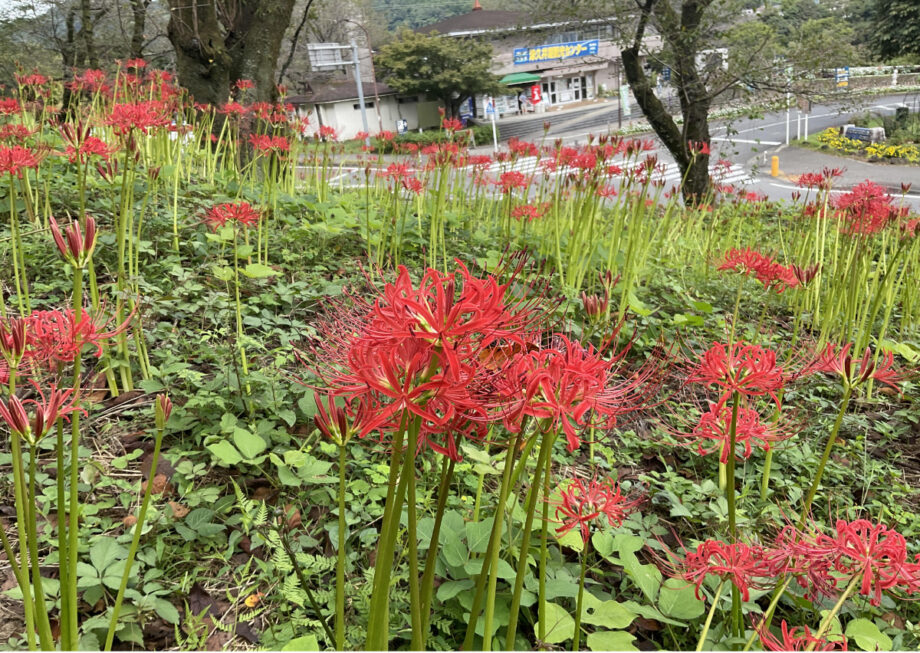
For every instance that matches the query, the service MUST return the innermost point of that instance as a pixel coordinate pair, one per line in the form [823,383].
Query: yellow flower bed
[832,139]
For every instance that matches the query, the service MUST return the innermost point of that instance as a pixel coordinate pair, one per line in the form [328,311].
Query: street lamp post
[367,38]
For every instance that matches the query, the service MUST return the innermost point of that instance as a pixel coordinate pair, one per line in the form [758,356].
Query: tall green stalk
[340,555]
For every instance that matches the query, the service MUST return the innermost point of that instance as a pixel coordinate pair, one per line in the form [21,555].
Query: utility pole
[357,71]
[367,39]
[360,85]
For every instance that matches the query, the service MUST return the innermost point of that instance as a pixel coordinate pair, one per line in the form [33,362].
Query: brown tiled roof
[339,91]
[479,20]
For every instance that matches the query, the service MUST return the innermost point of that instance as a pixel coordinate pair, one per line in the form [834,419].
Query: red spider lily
[332,420]
[798,639]
[606,192]
[242,213]
[57,336]
[910,228]
[839,361]
[511,180]
[745,261]
[699,147]
[866,210]
[522,148]
[15,160]
[714,427]
[261,109]
[805,275]
[573,387]
[396,171]
[875,552]
[47,411]
[326,133]
[91,146]
[739,563]
[74,246]
[89,80]
[244,84]
[749,370]
[32,79]
[233,109]
[385,136]
[9,106]
[125,118]
[795,553]
[265,143]
[580,505]
[451,125]
[528,211]
[413,185]
[15,133]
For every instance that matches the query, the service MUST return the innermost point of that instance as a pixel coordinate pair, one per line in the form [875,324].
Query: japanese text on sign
[555,51]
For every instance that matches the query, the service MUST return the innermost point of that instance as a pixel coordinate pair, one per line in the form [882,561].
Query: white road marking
[742,140]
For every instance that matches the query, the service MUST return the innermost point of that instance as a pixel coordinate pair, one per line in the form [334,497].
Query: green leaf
[607,614]
[454,551]
[602,541]
[646,577]
[449,589]
[166,611]
[678,599]
[560,626]
[650,612]
[867,635]
[225,452]
[249,444]
[198,518]
[222,272]
[258,271]
[611,640]
[288,415]
[478,534]
[304,643]
[572,539]
[104,551]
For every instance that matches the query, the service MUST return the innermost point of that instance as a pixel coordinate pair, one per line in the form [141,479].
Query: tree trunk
[86,34]
[202,60]
[214,50]
[69,59]
[139,12]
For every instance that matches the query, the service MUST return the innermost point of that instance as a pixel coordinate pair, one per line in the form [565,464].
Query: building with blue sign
[568,62]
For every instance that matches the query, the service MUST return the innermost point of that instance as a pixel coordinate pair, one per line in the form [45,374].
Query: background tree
[896,28]
[448,69]
[220,42]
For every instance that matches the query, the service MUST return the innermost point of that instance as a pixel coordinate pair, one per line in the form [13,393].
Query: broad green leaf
[225,452]
[249,444]
[560,625]
[607,614]
[166,610]
[304,643]
[572,539]
[104,551]
[198,518]
[478,534]
[258,271]
[867,635]
[449,589]
[611,640]
[650,612]
[646,577]
[222,272]
[454,551]
[678,599]
[602,541]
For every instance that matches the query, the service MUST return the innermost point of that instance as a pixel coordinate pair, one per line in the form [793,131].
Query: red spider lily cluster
[839,361]
[142,116]
[458,353]
[712,432]
[16,160]
[867,210]
[869,554]
[765,269]
[269,144]
[46,411]
[581,504]
[821,180]
[240,213]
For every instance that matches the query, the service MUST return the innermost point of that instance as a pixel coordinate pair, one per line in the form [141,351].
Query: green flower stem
[737,626]
[829,619]
[579,605]
[73,524]
[532,496]
[41,609]
[16,252]
[63,569]
[544,528]
[509,480]
[378,628]
[712,611]
[135,541]
[765,479]
[21,499]
[239,326]
[835,431]
[340,557]
[415,602]
[431,558]
[282,537]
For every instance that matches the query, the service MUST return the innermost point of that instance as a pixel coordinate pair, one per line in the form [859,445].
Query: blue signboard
[466,109]
[555,51]
[842,76]
[666,74]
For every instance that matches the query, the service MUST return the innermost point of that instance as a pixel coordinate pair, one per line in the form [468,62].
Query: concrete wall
[345,116]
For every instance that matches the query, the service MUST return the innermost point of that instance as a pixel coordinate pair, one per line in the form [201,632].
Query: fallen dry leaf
[178,510]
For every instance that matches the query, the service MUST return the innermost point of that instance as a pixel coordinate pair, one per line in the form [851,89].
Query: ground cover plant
[257,396]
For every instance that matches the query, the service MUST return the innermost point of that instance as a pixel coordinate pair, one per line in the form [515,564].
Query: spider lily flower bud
[75,246]
[14,414]
[805,275]
[13,340]
[162,410]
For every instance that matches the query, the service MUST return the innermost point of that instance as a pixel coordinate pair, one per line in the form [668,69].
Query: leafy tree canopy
[897,27]
[444,68]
